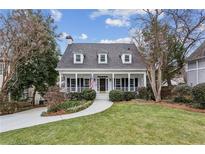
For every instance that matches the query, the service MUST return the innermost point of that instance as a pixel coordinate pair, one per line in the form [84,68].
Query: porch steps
[102,96]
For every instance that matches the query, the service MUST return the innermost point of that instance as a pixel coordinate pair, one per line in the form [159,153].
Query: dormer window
[78,58]
[102,58]
[126,58]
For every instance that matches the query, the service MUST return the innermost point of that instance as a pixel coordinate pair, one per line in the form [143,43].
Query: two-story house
[102,67]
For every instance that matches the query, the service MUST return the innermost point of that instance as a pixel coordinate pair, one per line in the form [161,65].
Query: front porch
[101,82]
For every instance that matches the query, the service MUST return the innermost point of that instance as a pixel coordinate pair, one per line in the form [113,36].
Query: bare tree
[21,35]
[156,29]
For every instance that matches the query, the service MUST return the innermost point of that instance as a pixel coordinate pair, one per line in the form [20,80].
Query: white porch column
[197,72]
[60,80]
[92,81]
[76,82]
[113,81]
[145,80]
[66,88]
[128,81]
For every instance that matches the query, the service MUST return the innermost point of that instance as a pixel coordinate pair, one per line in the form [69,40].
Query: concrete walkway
[32,117]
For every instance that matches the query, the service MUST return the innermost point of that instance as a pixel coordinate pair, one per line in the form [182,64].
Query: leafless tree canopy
[157,29]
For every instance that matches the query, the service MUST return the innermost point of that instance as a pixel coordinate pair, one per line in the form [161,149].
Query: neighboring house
[102,67]
[196,66]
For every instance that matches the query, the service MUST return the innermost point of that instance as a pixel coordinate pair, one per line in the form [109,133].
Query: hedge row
[145,93]
[86,94]
[186,94]
[198,93]
[119,95]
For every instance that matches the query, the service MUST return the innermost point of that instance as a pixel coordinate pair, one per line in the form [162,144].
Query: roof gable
[198,53]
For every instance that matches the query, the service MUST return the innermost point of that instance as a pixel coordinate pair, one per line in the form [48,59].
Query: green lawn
[121,124]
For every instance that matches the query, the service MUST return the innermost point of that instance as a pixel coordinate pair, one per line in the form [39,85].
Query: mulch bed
[182,106]
[173,105]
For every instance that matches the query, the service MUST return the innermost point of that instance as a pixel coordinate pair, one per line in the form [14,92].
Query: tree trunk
[151,77]
[169,83]
[156,87]
[158,98]
[159,84]
[33,98]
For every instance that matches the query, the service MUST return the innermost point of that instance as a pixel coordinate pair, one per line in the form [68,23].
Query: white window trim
[99,58]
[81,58]
[123,59]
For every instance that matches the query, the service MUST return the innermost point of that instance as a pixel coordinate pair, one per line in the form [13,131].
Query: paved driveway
[32,117]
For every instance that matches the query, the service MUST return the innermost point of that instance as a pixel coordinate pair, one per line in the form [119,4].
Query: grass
[123,123]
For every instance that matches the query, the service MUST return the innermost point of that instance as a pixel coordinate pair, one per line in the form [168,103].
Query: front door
[102,85]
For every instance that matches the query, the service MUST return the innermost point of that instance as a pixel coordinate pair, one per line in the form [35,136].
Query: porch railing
[73,89]
[126,88]
[80,89]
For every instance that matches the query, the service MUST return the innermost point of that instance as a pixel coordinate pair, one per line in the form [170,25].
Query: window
[86,83]
[136,82]
[126,58]
[117,84]
[102,58]
[131,84]
[78,58]
[72,84]
[1,69]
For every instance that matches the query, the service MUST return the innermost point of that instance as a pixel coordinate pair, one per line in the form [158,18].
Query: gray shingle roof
[91,50]
[198,53]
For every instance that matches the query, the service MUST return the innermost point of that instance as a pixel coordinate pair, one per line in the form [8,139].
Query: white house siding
[192,77]
[201,63]
[192,65]
[202,76]
[1,80]
[196,72]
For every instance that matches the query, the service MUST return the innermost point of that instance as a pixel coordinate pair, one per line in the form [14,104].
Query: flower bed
[69,106]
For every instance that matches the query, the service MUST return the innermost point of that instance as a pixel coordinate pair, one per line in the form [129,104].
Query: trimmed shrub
[53,108]
[145,93]
[180,99]
[182,93]
[76,96]
[182,90]
[116,95]
[129,95]
[166,92]
[142,93]
[198,93]
[88,94]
